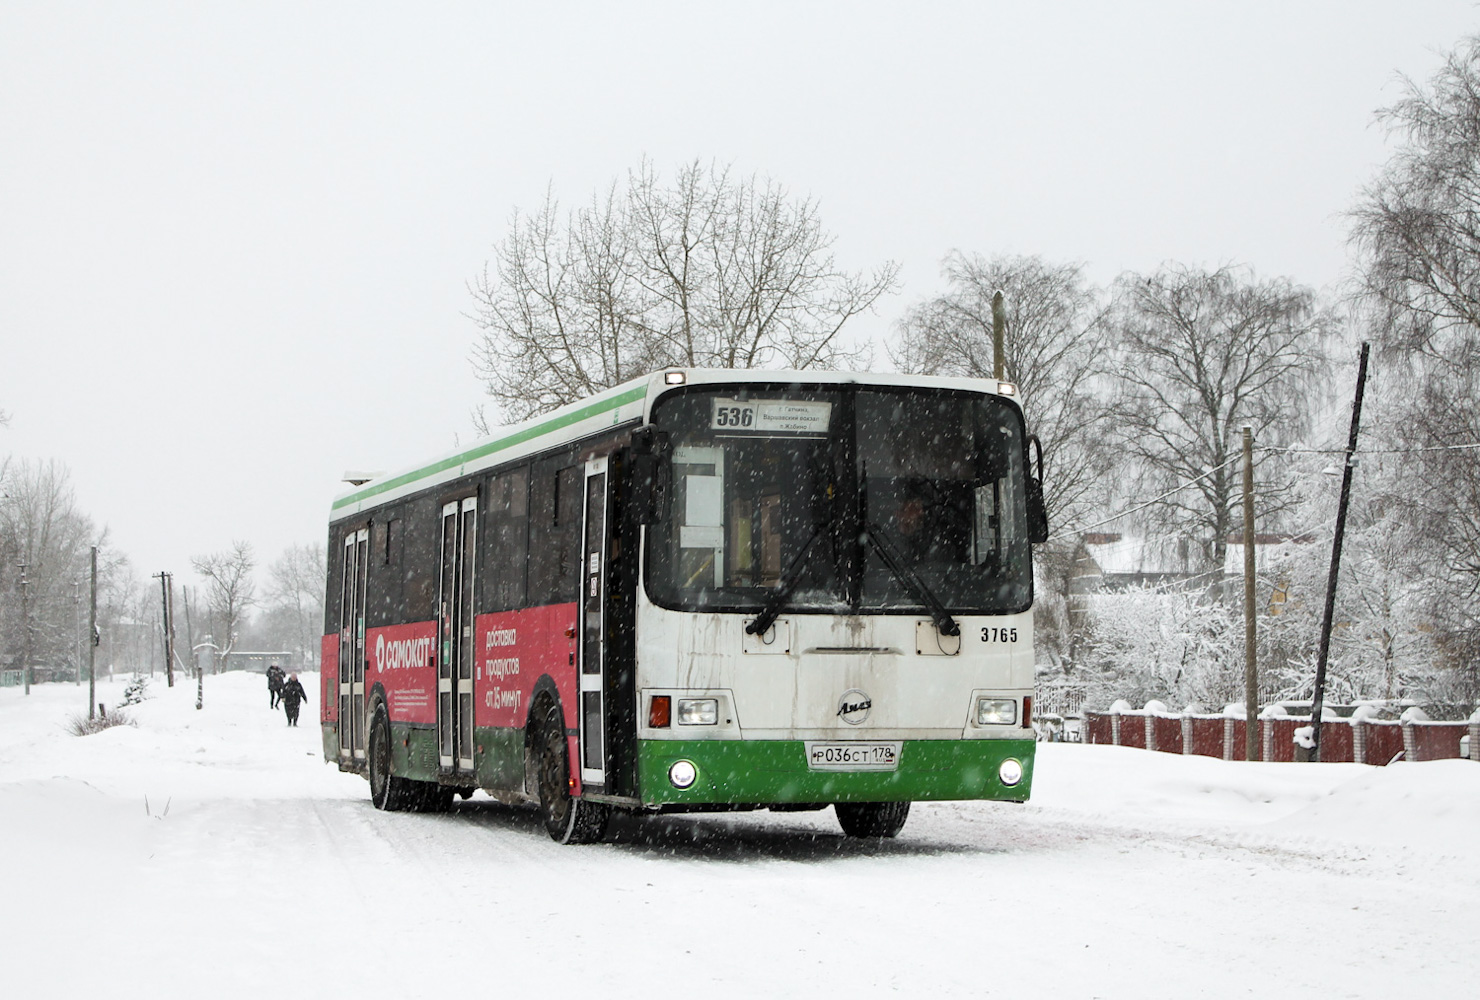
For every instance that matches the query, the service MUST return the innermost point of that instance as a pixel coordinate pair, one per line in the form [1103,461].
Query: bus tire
[872,819]
[387,791]
[567,818]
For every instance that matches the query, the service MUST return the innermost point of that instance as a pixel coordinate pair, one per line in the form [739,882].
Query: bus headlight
[698,711]
[1010,772]
[682,773]
[996,711]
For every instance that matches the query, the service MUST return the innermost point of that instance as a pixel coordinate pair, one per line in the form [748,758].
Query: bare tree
[1198,355]
[229,589]
[1417,228]
[1054,353]
[708,271]
[295,596]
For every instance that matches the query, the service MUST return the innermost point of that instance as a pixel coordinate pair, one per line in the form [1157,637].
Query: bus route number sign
[853,756]
[770,416]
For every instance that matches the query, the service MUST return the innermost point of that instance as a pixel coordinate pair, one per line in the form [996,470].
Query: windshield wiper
[767,616]
[944,623]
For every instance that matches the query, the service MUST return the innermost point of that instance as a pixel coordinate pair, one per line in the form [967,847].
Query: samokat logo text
[402,654]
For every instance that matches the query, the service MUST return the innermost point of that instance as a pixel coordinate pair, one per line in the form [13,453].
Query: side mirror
[1037,510]
[651,481]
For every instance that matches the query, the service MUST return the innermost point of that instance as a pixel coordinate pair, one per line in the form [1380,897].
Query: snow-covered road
[258,870]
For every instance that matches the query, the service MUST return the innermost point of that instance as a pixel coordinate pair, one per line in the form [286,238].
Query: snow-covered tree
[1165,643]
[1417,227]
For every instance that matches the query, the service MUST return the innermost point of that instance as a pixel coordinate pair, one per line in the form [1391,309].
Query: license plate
[853,756]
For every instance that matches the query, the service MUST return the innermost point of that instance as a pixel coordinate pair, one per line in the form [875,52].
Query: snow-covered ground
[257,870]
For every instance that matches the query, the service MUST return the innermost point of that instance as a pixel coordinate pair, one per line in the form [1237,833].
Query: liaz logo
[853,707]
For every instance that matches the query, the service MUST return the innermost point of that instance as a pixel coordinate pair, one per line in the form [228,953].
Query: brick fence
[1363,741]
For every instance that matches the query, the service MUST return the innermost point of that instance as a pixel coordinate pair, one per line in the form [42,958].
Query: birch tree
[1198,355]
[1417,230]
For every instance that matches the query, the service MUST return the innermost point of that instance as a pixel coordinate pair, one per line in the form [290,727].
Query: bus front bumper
[766,772]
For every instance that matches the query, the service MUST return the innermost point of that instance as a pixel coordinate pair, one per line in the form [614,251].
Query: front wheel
[568,819]
[872,819]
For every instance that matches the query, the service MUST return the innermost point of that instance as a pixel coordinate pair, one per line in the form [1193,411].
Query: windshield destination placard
[770,416]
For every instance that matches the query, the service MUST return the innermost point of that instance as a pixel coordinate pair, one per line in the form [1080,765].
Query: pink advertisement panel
[403,660]
[329,678]
[514,648]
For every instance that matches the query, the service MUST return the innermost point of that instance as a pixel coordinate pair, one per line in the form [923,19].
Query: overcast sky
[235,239]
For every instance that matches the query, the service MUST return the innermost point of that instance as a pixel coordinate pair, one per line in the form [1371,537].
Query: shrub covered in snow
[81,725]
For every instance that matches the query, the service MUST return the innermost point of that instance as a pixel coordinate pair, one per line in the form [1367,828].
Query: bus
[701,590]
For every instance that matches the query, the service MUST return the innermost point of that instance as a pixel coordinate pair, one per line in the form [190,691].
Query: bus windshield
[797,492]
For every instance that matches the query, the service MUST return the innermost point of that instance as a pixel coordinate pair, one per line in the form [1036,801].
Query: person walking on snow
[274,685]
[293,695]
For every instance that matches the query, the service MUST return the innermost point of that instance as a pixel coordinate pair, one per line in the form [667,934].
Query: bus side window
[555,498]
[569,495]
[419,566]
[543,570]
[394,541]
[508,532]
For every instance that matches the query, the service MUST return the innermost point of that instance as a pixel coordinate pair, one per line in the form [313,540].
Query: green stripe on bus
[489,447]
[775,771]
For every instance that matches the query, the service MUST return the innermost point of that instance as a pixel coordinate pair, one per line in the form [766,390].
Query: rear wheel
[387,791]
[568,819]
[872,819]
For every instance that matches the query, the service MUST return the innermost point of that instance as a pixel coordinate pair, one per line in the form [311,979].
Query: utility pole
[92,640]
[189,631]
[26,627]
[166,590]
[1251,663]
[1319,698]
[999,336]
[77,631]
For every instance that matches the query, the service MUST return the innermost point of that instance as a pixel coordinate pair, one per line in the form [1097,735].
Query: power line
[1148,503]
[1367,451]
[1269,449]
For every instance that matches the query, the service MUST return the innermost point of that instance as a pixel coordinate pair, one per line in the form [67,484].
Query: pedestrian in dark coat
[274,685]
[293,696]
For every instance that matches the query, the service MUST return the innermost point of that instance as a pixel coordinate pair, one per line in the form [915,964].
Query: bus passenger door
[352,644]
[455,635]
[593,626]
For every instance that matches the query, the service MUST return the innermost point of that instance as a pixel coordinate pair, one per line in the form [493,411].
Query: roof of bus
[608,408]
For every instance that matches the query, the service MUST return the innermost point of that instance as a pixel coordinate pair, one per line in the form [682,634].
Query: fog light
[682,773]
[698,711]
[1010,772]
[996,711]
